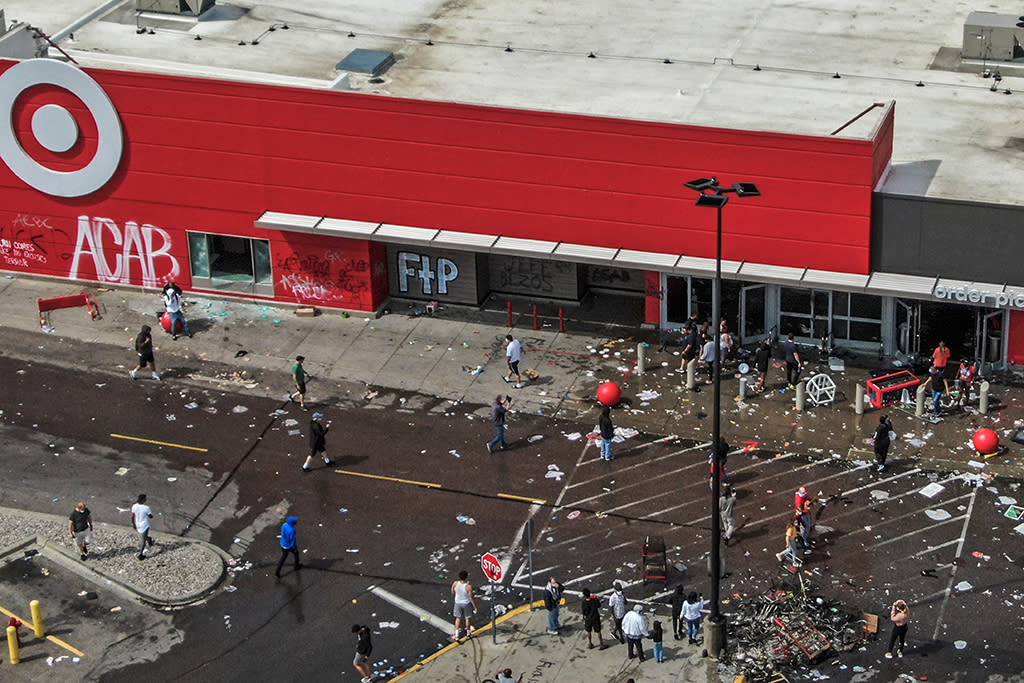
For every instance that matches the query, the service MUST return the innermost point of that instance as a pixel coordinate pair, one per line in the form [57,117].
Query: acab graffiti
[21,245]
[101,240]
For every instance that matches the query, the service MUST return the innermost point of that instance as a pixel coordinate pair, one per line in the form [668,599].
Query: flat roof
[750,64]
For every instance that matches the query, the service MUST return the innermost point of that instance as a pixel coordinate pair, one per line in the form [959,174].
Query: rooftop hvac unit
[993,37]
[192,7]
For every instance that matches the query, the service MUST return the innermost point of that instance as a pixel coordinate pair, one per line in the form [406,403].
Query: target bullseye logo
[55,129]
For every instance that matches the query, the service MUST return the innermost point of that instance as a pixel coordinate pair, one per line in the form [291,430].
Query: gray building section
[932,237]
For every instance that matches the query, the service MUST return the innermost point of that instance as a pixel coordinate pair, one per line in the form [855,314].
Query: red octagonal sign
[492,568]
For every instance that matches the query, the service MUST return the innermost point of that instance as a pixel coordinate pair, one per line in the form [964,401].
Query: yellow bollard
[12,644]
[37,619]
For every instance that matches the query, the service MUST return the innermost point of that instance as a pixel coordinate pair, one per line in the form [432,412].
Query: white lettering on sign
[491,567]
[974,295]
[417,266]
[98,238]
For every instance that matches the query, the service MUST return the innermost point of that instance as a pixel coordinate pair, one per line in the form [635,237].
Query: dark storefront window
[236,264]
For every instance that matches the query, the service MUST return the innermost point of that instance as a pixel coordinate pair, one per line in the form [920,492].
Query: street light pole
[718,198]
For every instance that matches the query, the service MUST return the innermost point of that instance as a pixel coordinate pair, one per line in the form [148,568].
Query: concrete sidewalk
[458,355]
[524,646]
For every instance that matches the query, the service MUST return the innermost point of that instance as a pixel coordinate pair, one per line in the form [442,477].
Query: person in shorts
[299,379]
[363,649]
[465,605]
[80,528]
[513,354]
[144,349]
[591,608]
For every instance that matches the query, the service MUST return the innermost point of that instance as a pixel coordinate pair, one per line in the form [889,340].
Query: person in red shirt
[940,357]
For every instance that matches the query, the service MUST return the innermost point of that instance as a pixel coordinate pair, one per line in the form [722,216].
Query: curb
[68,560]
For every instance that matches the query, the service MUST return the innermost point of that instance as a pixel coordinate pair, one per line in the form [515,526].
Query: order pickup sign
[492,568]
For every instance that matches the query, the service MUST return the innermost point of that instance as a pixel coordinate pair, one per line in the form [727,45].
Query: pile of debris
[787,626]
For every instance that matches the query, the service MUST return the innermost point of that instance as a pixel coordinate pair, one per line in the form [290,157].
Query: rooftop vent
[993,37]
[373,62]
[190,7]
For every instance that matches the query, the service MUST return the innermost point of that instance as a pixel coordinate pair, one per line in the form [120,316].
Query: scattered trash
[573,515]
[648,395]
[121,471]
[963,587]
[230,589]
[239,409]
[115,609]
[465,519]
[1014,512]
[938,515]
[535,438]
[932,490]
[455,453]
[960,644]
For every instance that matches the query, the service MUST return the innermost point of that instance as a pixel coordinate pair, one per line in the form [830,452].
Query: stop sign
[492,568]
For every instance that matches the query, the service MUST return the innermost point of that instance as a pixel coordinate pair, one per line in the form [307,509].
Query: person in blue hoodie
[289,544]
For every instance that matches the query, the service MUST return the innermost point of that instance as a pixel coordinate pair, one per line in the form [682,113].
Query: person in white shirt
[513,354]
[617,604]
[141,514]
[172,304]
[634,626]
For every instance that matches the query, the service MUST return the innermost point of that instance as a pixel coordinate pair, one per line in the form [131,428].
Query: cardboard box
[306,312]
[870,623]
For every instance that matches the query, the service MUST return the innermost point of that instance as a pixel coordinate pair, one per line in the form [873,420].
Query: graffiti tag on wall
[417,266]
[23,244]
[323,277]
[113,250]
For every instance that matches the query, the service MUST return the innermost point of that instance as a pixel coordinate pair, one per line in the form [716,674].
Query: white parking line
[443,625]
[952,574]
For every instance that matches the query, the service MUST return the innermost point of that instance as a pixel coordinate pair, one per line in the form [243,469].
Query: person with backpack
[884,435]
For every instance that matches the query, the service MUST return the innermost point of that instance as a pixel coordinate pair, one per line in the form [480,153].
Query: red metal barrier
[69,301]
[536,319]
[561,320]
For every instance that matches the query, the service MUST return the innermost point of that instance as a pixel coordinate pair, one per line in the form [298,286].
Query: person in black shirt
[317,441]
[80,528]
[363,649]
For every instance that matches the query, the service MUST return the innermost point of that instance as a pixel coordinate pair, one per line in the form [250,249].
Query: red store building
[346,200]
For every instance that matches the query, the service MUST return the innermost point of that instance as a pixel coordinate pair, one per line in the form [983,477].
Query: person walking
[803,503]
[317,441]
[591,609]
[727,510]
[80,528]
[141,514]
[690,344]
[505,676]
[692,614]
[900,615]
[498,411]
[513,354]
[172,306]
[299,380]
[793,362]
[617,603]
[657,640]
[722,451]
[634,626]
[607,430]
[552,601]
[883,439]
[289,544]
[709,354]
[677,600]
[364,646]
[144,349]
[465,605]
[762,359]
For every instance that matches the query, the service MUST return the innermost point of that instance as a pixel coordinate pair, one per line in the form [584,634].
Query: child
[656,637]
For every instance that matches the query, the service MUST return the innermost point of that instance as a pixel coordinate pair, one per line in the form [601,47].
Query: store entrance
[685,295]
[972,334]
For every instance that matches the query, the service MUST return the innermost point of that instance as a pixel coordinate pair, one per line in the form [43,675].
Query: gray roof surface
[954,137]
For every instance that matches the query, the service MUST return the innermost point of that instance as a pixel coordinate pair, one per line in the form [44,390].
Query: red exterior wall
[211,156]
[1015,338]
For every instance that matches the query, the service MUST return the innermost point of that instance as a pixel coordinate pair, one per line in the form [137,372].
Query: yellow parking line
[52,639]
[161,443]
[58,641]
[427,484]
[538,501]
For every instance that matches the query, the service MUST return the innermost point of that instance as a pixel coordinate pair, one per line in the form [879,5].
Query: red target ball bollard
[165,322]
[609,394]
[986,441]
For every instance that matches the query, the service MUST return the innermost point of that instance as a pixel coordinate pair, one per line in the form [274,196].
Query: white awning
[880,284]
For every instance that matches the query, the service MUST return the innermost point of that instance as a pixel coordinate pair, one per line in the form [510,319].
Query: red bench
[68,301]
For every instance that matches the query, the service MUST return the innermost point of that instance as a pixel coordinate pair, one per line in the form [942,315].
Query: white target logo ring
[60,128]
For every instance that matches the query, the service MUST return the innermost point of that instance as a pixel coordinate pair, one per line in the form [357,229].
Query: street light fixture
[715,196]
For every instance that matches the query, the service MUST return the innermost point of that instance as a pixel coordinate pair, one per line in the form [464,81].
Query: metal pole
[716,622]
[494,614]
